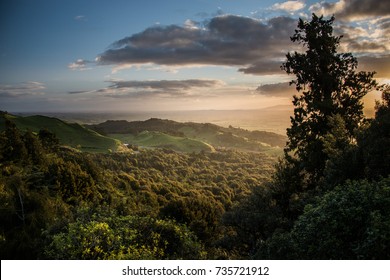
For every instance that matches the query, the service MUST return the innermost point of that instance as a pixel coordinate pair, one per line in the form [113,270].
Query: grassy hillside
[153,133]
[226,139]
[162,140]
[214,135]
[69,134]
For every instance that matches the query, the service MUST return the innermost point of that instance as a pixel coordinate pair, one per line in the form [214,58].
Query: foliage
[156,203]
[110,236]
[253,219]
[13,148]
[350,222]
[49,140]
[374,142]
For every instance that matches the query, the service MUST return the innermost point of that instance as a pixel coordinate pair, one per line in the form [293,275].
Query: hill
[214,135]
[69,134]
[153,133]
[156,139]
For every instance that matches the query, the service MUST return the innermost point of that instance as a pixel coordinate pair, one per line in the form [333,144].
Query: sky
[104,56]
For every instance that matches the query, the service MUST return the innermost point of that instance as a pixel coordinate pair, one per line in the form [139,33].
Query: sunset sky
[71,56]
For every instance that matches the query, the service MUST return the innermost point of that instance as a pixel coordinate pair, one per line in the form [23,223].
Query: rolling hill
[69,134]
[160,133]
[153,133]
[154,139]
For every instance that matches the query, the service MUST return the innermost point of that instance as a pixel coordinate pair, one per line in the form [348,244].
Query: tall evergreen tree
[328,85]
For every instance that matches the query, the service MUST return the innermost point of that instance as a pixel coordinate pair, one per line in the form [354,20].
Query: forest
[325,196]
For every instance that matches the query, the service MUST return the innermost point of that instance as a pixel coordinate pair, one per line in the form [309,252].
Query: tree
[328,85]
[13,148]
[350,222]
[374,142]
[49,139]
[254,220]
[106,235]
[34,148]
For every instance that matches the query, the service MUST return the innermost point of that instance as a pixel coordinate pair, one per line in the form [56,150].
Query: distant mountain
[69,134]
[214,135]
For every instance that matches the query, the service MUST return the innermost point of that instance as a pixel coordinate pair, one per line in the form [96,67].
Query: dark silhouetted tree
[328,85]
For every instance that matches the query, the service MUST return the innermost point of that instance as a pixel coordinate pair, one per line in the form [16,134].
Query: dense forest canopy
[326,197]
[75,197]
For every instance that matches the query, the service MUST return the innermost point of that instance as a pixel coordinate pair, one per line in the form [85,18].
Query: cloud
[365,27]
[381,65]
[191,24]
[289,6]
[352,9]
[79,65]
[365,8]
[367,38]
[224,40]
[79,91]
[327,9]
[156,88]
[253,46]
[80,18]
[22,89]
[167,85]
[276,90]
[266,67]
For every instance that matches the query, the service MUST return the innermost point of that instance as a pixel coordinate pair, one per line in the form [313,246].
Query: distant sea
[273,119]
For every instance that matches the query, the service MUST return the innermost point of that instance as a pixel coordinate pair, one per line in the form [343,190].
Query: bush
[350,222]
[109,236]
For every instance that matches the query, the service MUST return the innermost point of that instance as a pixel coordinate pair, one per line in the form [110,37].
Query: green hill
[69,134]
[161,140]
[214,135]
[153,133]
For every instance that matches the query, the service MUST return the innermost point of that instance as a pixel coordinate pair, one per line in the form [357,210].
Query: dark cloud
[253,46]
[225,40]
[160,88]
[351,9]
[166,85]
[78,91]
[276,90]
[384,23]
[266,67]
[362,8]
